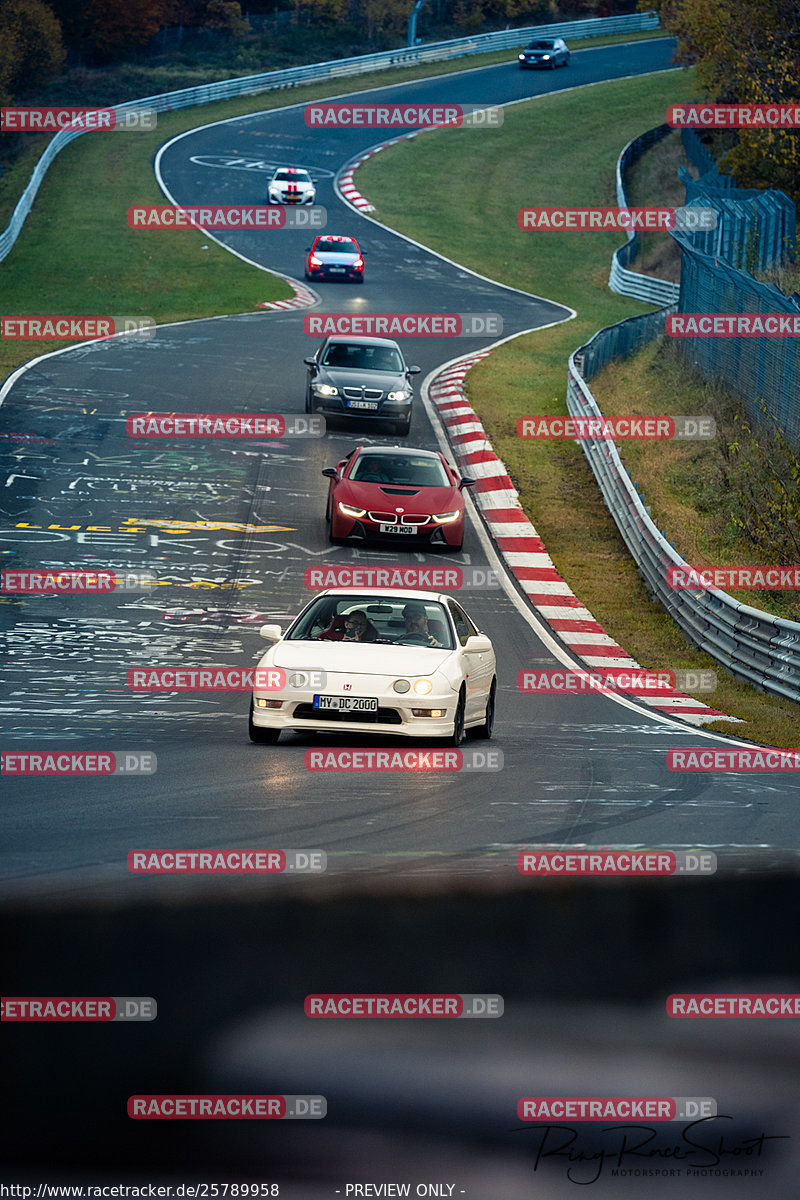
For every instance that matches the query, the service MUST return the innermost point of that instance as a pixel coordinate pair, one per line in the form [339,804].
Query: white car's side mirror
[479,643]
[270,633]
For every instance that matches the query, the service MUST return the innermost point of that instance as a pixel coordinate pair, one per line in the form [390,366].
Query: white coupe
[290,185]
[407,663]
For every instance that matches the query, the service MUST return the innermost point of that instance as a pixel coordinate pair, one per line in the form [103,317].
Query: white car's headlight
[445,518]
[423,687]
[401,686]
[402,394]
[349,510]
[325,389]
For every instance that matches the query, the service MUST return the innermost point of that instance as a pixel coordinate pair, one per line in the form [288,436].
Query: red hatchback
[333,256]
[396,494]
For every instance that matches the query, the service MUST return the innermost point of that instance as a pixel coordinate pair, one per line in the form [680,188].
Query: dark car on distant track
[361,377]
[545,52]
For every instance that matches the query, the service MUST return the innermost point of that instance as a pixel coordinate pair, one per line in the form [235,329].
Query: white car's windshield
[383,619]
[292,177]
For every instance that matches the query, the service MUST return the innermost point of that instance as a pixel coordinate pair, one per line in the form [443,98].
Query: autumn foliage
[748,52]
[31,47]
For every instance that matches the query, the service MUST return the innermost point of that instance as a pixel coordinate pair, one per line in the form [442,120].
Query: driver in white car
[416,622]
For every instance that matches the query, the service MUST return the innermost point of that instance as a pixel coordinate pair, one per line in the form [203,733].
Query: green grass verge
[76,254]
[557,149]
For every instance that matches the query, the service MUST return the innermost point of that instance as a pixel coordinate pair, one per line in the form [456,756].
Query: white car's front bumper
[297,713]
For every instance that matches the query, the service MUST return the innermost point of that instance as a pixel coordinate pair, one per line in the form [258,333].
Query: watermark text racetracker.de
[405,1005]
[414,761]
[615,1108]
[733,1006]
[576,860]
[78,1008]
[403,324]
[635,681]
[734,116]
[33,119]
[89,763]
[730,325]
[401,116]
[426,578]
[744,579]
[628,428]
[561,219]
[226,425]
[226,1107]
[57,582]
[222,679]
[226,216]
[732,761]
[56,328]
[226,862]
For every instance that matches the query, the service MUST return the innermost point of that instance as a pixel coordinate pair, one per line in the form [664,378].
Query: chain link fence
[750,644]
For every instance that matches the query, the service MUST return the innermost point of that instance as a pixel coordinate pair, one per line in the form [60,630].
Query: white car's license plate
[346,703]
[372,404]
[398,529]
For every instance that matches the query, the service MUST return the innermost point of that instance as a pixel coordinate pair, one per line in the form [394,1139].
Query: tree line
[745,52]
[39,37]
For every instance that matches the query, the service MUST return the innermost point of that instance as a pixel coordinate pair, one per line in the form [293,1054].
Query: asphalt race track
[81,493]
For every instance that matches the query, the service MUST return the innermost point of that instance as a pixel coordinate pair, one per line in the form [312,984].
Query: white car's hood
[358,658]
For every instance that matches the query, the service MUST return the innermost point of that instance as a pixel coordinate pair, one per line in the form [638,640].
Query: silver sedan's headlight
[325,389]
[401,394]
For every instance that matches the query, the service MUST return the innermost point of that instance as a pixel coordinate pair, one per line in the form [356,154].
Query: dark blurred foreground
[584,966]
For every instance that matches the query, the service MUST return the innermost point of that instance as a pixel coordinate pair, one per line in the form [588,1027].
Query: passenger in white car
[358,627]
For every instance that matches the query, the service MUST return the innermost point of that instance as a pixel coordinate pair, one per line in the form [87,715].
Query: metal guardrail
[253,85]
[631,283]
[753,645]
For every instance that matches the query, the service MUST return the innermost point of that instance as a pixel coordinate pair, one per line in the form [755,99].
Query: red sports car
[391,493]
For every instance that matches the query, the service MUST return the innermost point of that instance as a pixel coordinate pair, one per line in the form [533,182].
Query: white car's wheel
[485,730]
[457,736]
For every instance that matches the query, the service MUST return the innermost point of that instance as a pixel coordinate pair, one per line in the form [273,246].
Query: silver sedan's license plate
[372,404]
[346,703]
[398,529]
